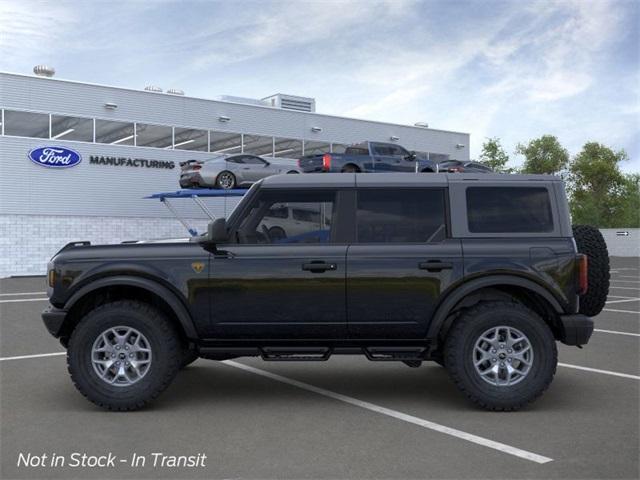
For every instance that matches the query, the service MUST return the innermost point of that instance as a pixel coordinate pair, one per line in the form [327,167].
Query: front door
[285,277]
[401,262]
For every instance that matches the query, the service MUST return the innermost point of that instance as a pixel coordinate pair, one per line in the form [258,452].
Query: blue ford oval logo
[55,157]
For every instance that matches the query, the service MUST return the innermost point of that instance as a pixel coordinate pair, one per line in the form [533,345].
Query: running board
[394,354]
[293,354]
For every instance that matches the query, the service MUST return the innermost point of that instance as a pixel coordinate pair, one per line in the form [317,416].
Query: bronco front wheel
[123,354]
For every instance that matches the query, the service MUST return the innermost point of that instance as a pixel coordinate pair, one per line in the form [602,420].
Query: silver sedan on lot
[231,171]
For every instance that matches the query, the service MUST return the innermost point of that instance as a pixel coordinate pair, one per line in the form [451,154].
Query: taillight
[456,169]
[299,163]
[196,167]
[583,274]
[326,162]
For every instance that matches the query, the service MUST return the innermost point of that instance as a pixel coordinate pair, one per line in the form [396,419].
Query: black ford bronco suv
[481,273]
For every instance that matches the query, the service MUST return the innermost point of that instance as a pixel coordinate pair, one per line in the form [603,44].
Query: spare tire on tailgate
[590,242]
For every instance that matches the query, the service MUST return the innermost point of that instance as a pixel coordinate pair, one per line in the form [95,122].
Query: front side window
[509,210]
[26,124]
[251,160]
[400,216]
[269,222]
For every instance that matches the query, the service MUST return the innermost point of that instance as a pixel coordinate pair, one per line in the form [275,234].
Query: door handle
[435,266]
[318,267]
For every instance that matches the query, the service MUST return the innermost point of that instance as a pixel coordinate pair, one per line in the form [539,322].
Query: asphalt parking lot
[345,418]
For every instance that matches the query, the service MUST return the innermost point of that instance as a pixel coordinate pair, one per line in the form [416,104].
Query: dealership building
[127,144]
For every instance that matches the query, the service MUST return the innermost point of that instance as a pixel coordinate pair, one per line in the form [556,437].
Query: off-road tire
[590,242]
[165,346]
[459,346]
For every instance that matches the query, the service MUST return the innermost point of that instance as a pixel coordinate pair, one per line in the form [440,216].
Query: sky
[508,69]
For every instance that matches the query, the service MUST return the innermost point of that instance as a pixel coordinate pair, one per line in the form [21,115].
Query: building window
[338,148]
[71,128]
[26,124]
[225,142]
[157,136]
[287,148]
[316,148]
[190,139]
[114,133]
[258,145]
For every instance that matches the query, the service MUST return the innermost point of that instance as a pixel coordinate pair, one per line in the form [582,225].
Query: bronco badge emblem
[197,266]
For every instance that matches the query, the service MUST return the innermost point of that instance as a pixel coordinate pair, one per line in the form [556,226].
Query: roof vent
[153,88]
[291,102]
[175,91]
[44,71]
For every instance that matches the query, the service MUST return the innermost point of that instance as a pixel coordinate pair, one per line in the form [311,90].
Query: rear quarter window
[509,210]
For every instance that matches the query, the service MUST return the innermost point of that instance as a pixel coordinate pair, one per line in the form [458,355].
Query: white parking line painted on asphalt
[620,311]
[616,281]
[621,301]
[635,277]
[17,300]
[485,442]
[615,287]
[596,370]
[615,332]
[24,357]
[21,293]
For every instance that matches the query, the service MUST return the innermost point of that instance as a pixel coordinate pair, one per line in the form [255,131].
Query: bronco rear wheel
[590,242]
[123,354]
[501,355]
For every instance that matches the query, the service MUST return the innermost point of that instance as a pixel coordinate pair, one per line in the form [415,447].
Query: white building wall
[28,242]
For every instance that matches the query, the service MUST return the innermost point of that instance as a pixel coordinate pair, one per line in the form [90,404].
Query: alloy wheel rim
[225,180]
[502,356]
[121,356]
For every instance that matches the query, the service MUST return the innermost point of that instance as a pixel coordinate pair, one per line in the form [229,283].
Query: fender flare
[174,302]
[444,309]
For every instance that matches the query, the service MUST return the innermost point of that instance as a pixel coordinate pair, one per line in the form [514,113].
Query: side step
[394,354]
[293,354]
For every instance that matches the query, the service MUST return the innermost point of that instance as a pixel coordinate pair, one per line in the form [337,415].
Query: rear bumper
[53,319]
[576,329]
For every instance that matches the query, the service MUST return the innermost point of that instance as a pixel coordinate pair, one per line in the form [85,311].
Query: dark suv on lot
[478,272]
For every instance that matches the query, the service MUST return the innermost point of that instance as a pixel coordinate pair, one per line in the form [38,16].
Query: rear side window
[400,216]
[509,210]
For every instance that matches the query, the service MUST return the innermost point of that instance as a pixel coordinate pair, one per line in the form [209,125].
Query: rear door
[401,262]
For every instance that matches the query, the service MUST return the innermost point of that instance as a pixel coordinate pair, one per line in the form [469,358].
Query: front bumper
[53,319]
[576,329]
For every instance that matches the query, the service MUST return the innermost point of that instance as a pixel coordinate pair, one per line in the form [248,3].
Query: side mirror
[411,157]
[216,232]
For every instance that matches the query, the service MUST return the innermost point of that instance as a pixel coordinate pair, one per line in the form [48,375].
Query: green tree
[494,156]
[601,195]
[543,155]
